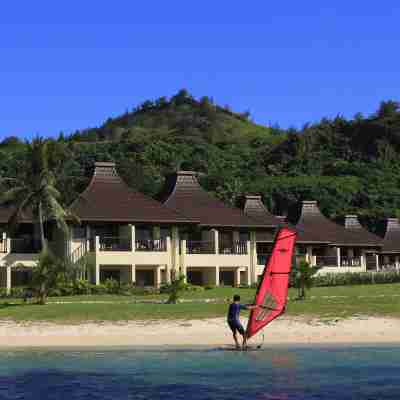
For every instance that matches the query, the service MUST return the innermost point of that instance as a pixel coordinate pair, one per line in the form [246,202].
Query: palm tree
[303,276]
[35,191]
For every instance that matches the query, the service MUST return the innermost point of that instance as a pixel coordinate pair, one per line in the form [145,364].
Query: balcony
[326,261]
[157,245]
[237,247]
[350,262]
[200,247]
[115,243]
[25,246]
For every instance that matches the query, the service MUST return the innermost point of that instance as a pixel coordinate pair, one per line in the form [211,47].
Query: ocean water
[277,373]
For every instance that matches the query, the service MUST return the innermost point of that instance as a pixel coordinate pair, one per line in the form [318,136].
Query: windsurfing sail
[273,288]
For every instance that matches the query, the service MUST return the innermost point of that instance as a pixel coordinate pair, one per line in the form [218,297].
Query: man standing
[234,321]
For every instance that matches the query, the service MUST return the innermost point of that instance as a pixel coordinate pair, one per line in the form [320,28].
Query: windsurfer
[234,321]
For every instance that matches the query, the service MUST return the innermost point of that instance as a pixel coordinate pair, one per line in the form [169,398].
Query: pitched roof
[6,212]
[314,227]
[108,198]
[255,208]
[182,192]
[391,241]
[362,235]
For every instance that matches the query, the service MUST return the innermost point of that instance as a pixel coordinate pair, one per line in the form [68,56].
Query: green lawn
[334,302]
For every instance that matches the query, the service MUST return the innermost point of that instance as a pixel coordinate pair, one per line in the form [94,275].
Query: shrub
[194,288]
[3,293]
[99,289]
[209,287]
[17,292]
[112,286]
[357,278]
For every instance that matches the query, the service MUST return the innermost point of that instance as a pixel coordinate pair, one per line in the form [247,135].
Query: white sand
[208,332]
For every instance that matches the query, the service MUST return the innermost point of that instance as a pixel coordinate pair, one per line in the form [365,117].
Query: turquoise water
[269,374]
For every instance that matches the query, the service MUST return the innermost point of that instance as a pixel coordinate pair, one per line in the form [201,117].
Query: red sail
[273,289]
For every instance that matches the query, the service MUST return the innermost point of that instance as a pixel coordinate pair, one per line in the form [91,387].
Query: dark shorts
[236,326]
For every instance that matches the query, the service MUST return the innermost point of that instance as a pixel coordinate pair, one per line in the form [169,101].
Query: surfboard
[272,291]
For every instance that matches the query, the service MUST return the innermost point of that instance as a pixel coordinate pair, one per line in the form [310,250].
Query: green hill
[348,165]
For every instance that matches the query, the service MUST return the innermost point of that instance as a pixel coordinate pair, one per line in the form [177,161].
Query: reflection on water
[268,374]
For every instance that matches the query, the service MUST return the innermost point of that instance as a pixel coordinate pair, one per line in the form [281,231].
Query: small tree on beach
[303,277]
[175,288]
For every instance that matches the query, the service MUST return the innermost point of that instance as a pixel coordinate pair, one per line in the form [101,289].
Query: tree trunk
[41,227]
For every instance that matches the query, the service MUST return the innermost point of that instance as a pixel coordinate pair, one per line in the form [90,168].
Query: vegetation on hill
[348,165]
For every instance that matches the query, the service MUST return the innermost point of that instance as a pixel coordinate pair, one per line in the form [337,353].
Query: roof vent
[352,222]
[105,169]
[392,224]
[309,207]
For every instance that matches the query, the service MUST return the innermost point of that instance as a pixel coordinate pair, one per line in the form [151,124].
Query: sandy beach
[209,332]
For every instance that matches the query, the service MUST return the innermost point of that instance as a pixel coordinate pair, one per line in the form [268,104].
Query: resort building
[254,207]
[222,247]
[390,253]
[132,238]
[334,247]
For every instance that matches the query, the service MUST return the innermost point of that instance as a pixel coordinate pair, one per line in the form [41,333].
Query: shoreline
[288,331]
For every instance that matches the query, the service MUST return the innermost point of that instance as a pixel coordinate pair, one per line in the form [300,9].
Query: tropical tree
[34,191]
[303,277]
[175,288]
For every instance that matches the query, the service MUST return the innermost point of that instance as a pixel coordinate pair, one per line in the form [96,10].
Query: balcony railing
[25,246]
[115,243]
[350,262]
[238,247]
[262,259]
[151,245]
[200,247]
[326,261]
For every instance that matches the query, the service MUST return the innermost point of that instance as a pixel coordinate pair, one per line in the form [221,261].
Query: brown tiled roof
[314,227]
[108,198]
[391,241]
[255,208]
[6,212]
[182,192]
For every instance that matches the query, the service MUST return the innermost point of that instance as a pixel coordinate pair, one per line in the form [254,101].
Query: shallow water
[271,373]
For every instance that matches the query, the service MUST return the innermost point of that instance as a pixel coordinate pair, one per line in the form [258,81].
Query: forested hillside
[347,165]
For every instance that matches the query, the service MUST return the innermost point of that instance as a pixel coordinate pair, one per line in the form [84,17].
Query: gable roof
[182,192]
[391,241]
[314,227]
[108,198]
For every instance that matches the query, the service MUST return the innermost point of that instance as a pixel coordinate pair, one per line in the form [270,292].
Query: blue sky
[71,65]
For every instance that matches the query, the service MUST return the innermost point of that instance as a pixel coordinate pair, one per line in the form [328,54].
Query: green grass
[334,302]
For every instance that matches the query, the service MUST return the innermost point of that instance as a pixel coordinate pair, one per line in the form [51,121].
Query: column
[157,276]
[216,240]
[133,238]
[396,261]
[309,254]
[8,279]
[174,250]
[133,273]
[338,260]
[237,277]
[97,266]
[253,257]
[217,275]
[377,261]
[363,260]
[168,266]
[182,266]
